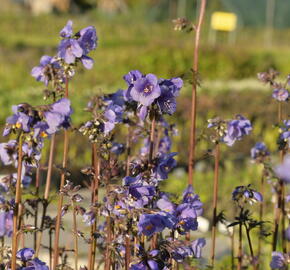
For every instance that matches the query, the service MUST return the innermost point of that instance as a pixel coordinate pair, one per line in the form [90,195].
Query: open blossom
[237,129]
[283,170]
[145,90]
[280,94]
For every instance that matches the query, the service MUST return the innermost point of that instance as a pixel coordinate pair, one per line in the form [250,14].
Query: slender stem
[75,232]
[109,239]
[261,211]
[249,240]
[50,248]
[240,251]
[17,205]
[214,203]
[60,201]
[128,252]
[152,137]
[128,147]
[109,226]
[233,248]
[127,236]
[36,206]
[94,199]
[2,239]
[191,159]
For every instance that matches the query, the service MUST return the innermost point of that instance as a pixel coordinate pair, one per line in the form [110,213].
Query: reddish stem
[191,158]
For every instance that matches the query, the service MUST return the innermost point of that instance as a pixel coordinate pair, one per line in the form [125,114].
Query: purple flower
[6,223]
[36,264]
[88,39]
[246,194]
[118,148]
[165,164]
[287,233]
[113,114]
[70,50]
[237,129]
[152,223]
[145,90]
[169,91]
[259,151]
[25,254]
[7,152]
[278,260]
[280,94]
[283,170]
[89,218]
[285,135]
[130,78]
[58,115]
[197,246]
[67,31]
[47,66]
[179,254]
[164,145]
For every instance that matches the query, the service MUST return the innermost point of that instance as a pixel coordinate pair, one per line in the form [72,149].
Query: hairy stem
[191,158]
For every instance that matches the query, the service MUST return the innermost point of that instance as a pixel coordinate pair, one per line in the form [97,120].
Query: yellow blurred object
[223,21]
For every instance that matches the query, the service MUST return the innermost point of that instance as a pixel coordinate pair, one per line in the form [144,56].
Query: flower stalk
[192,139]
[17,209]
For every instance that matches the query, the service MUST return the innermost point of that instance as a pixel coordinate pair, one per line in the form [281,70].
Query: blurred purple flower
[278,260]
[237,129]
[197,246]
[6,223]
[280,94]
[259,151]
[67,31]
[283,170]
[25,254]
[246,194]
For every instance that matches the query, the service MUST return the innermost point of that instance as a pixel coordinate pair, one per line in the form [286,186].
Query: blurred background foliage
[139,35]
